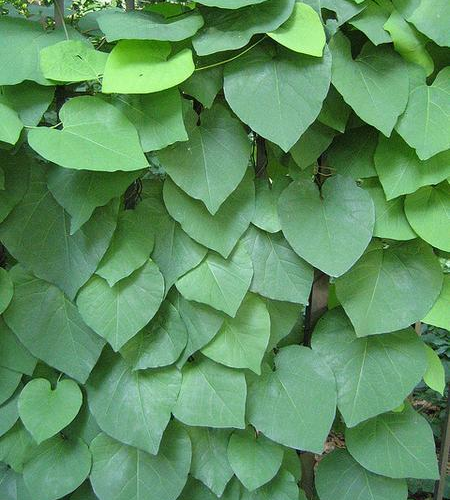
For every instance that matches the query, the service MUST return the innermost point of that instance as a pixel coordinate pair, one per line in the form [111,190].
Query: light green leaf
[390,288]
[96,136]
[29,99]
[218,282]
[428,212]
[375,84]
[72,61]
[230,4]
[283,487]
[340,476]
[49,325]
[219,144]
[6,289]
[21,42]
[57,467]
[221,26]
[160,343]
[10,124]
[118,313]
[209,458]
[439,314]
[283,317]
[266,203]
[329,228]
[141,25]
[45,411]
[351,154]
[204,85]
[278,272]
[374,374]
[390,218]
[175,252]
[408,42]
[287,395]
[402,172]
[143,476]
[221,231]
[16,169]
[312,144]
[79,192]
[132,406]
[157,117]
[371,22]
[242,340]
[425,124]
[254,459]
[434,377]
[16,446]
[211,395]
[282,115]
[36,233]
[130,246]
[302,32]
[432,18]
[395,445]
[143,66]
[9,414]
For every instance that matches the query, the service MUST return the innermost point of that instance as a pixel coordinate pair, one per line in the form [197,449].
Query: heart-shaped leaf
[45,411]
[10,124]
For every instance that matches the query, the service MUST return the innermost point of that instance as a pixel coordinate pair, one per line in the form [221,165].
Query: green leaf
[283,487]
[395,445]
[10,124]
[428,212]
[230,4]
[160,343]
[196,489]
[375,84]
[329,228]
[204,85]
[29,99]
[141,25]
[242,340]
[390,218]
[143,66]
[221,231]
[21,42]
[57,467]
[72,61]
[36,233]
[80,192]
[276,92]
[286,395]
[425,124]
[130,247]
[432,18]
[118,313]
[49,325]
[143,476]
[16,447]
[218,144]
[84,492]
[408,42]
[371,22]
[218,282]
[312,144]
[16,169]
[340,476]
[12,486]
[96,136]
[174,252]
[266,203]
[132,406]
[157,117]
[278,272]
[351,154]
[283,317]
[434,376]
[390,288]
[14,356]
[439,315]
[209,458]
[211,395]
[6,290]
[45,411]
[254,459]
[302,32]
[9,414]
[335,111]
[402,172]
[221,26]
[374,374]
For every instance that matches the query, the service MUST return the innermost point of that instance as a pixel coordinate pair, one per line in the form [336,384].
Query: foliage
[174,182]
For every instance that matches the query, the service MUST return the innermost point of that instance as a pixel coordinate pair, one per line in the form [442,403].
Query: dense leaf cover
[172,180]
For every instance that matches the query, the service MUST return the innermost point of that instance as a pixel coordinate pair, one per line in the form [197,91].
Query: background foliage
[175,184]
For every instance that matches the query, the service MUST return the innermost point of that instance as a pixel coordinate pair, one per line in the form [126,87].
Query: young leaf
[371,22]
[266,203]
[143,66]
[434,377]
[10,124]
[439,314]
[312,144]
[283,487]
